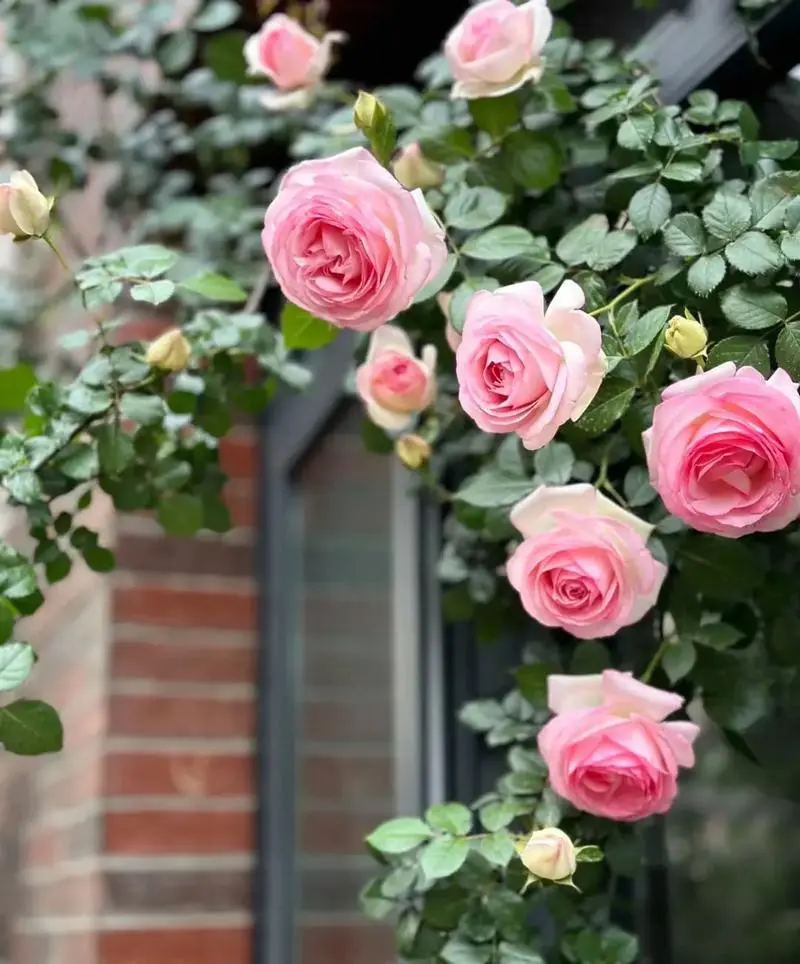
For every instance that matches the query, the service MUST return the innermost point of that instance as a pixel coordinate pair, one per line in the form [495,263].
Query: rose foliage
[577,321]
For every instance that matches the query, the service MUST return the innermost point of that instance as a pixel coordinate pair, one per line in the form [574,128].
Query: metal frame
[294,424]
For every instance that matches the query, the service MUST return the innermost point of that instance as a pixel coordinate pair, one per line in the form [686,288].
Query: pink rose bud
[496,47]
[412,169]
[583,564]
[413,451]
[24,210]
[292,58]
[724,451]
[549,854]
[393,383]
[609,751]
[526,370]
[348,243]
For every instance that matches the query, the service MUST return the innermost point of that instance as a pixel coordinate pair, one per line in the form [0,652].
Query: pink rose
[348,243]
[292,58]
[393,383]
[583,564]
[521,369]
[496,47]
[724,451]
[608,749]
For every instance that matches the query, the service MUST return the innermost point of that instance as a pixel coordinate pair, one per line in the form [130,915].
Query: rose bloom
[496,47]
[393,383]
[521,369]
[583,564]
[292,58]
[348,243]
[608,749]
[724,451]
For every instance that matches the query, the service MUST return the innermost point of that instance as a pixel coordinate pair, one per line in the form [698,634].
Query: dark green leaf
[473,208]
[180,514]
[533,159]
[706,274]
[532,681]
[754,253]
[679,659]
[720,568]
[787,349]
[684,235]
[500,243]
[115,449]
[490,489]
[15,383]
[452,818]
[753,308]
[554,463]
[30,727]
[742,349]
[727,215]
[636,132]
[495,114]
[577,245]
[649,208]
[608,405]
[443,856]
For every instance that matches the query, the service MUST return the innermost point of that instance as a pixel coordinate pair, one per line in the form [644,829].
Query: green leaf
[589,657]
[706,274]
[153,292]
[495,114]
[498,244]
[497,848]
[753,308]
[482,715]
[301,329]
[216,15]
[720,568]
[8,617]
[463,295]
[449,147]
[636,132]
[589,855]
[434,286]
[649,208]
[443,856]
[458,950]
[554,463]
[491,489]
[180,514]
[15,383]
[24,486]
[223,55]
[641,332]
[787,349]
[518,954]
[683,171]
[578,244]
[498,814]
[608,405]
[742,349]
[637,488]
[142,409]
[99,559]
[679,659]
[614,247]
[533,159]
[473,208]
[115,449]
[718,636]
[30,727]
[453,818]
[400,835]
[532,681]
[215,287]
[754,253]
[16,663]
[176,53]
[684,235]
[790,246]
[549,277]
[727,216]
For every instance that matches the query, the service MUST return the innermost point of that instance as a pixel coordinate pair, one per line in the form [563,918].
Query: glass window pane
[345,755]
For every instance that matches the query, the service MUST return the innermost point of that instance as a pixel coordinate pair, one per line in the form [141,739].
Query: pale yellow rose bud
[368,112]
[549,854]
[169,351]
[413,451]
[686,337]
[413,170]
[24,210]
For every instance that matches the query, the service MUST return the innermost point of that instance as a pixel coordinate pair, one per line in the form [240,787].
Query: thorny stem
[625,293]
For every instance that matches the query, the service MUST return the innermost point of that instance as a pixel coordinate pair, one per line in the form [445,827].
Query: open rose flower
[393,383]
[583,564]
[496,47]
[724,451]
[521,369]
[292,58]
[609,750]
[348,243]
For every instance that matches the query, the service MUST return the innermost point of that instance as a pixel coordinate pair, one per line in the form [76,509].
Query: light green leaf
[589,855]
[434,286]
[153,292]
[452,818]
[636,132]
[554,463]
[637,488]
[498,814]
[458,950]
[498,244]
[706,274]
[114,449]
[742,349]
[578,244]
[718,636]
[30,728]
[649,208]
[754,253]
[614,247]
[683,171]
[787,349]
[727,215]
[684,235]
[497,848]
[463,295]
[143,409]
[608,405]
[24,486]
[302,330]
[15,383]
[216,15]
[549,277]
[473,208]
[518,954]
[215,287]
[790,246]
[181,514]
[641,332]
[16,663]
[491,489]
[443,856]
[679,659]
[753,308]
[400,835]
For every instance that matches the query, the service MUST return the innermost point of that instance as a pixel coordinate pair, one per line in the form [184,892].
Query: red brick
[198,946]
[179,832]
[165,606]
[182,662]
[179,773]
[240,498]
[179,716]
[239,455]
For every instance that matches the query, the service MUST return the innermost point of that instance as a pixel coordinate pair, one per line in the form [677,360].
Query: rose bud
[686,337]
[413,451]
[24,210]
[170,351]
[549,854]
[412,169]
